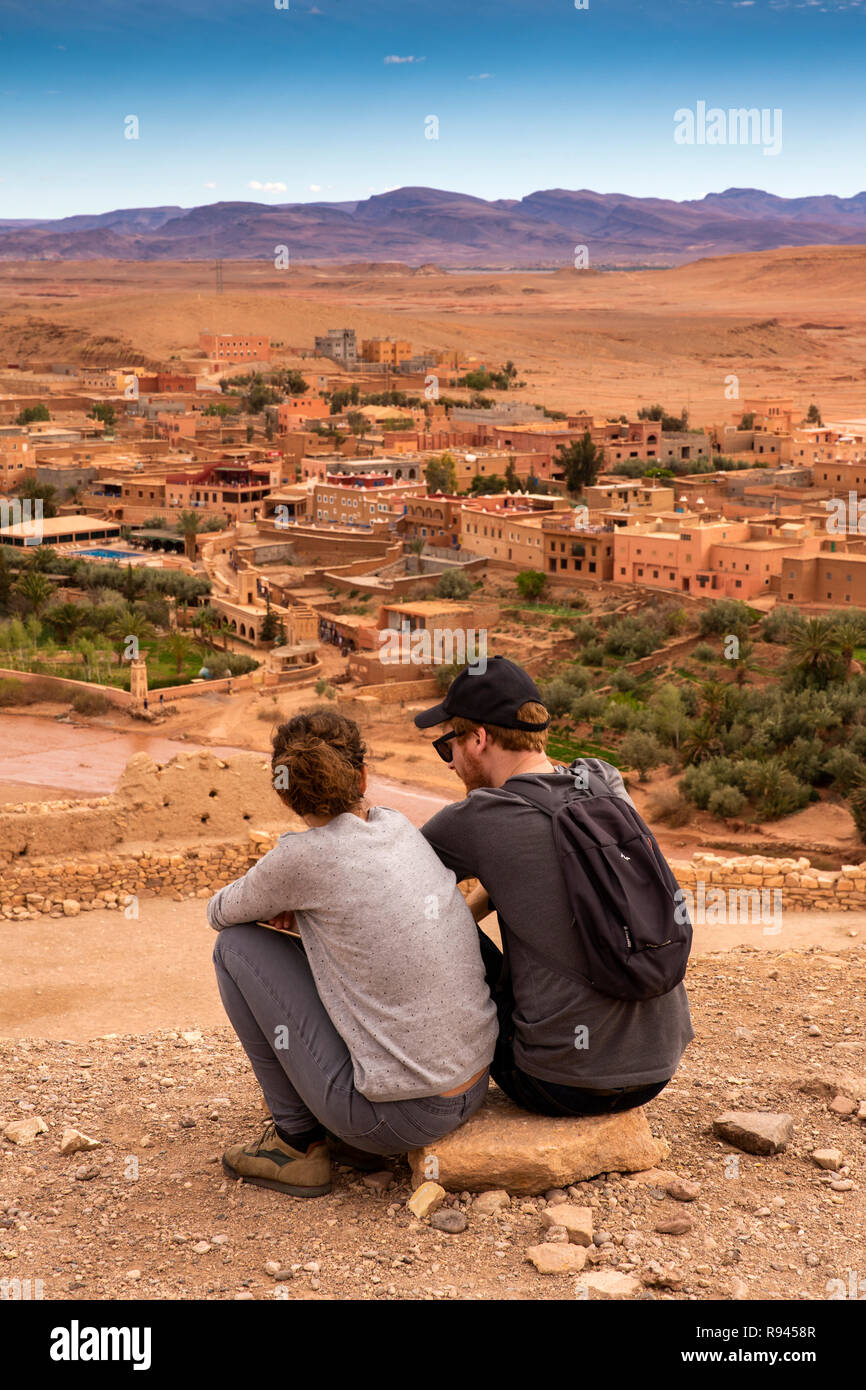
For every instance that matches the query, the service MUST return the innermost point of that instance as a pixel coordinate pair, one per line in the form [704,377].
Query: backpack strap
[537,799]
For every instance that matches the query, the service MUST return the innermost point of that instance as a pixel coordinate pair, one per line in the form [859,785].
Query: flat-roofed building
[228,348]
[59,531]
[576,550]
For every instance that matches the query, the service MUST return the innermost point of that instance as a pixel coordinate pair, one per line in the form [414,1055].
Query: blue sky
[310,103]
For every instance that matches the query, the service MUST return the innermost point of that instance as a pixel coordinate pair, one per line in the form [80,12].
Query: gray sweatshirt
[391,943]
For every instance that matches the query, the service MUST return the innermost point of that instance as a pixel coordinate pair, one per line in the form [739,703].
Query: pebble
[677,1226]
[829,1159]
[554,1195]
[842,1185]
[378,1182]
[201,1247]
[682,1190]
[489,1203]
[842,1105]
[449,1220]
[602,1238]
[72,1141]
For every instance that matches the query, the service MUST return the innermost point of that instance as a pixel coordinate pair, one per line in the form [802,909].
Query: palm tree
[816,649]
[129,623]
[188,526]
[65,618]
[181,647]
[849,636]
[35,588]
[34,490]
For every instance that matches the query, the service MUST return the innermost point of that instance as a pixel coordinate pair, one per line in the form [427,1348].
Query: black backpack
[625,901]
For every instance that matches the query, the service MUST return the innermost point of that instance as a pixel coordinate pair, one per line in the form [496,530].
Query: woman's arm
[263,893]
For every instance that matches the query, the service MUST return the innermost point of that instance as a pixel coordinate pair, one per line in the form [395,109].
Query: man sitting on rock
[563,1048]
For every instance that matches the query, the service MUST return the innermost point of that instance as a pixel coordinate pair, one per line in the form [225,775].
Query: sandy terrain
[787,322]
[149,1214]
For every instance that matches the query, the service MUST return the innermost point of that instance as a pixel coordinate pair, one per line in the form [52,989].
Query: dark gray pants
[300,1061]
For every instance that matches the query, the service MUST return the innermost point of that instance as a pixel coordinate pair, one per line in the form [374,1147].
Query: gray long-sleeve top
[391,943]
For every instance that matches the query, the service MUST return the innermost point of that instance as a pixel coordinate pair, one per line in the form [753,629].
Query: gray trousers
[300,1061]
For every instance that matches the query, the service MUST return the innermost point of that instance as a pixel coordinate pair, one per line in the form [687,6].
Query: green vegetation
[31,413]
[440,474]
[744,750]
[453,584]
[580,461]
[531,584]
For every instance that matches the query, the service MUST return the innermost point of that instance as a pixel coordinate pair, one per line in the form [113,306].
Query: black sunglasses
[443,747]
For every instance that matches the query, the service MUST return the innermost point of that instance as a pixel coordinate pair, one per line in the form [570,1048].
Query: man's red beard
[472,775]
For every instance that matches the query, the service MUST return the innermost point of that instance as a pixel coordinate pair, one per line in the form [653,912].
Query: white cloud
[410,58]
[209,185]
[267,187]
[481,76]
[315,188]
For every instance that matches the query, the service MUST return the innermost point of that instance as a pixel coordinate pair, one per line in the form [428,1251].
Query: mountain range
[423,225]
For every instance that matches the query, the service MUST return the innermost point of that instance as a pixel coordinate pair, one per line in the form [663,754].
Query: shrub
[642,751]
[698,784]
[557,696]
[531,584]
[593,654]
[584,630]
[91,702]
[704,652]
[623,680]
[587,707]
[844,767]
[727,803]
[453,584]
[725,616]
[14,692]
[668,806]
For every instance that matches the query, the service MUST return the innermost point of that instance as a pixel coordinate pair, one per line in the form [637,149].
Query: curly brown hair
[317,762]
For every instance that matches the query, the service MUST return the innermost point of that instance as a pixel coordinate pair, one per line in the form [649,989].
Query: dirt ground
[149,1214]
[785,322]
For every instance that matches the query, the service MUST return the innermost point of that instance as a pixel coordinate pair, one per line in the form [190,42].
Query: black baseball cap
[490,697]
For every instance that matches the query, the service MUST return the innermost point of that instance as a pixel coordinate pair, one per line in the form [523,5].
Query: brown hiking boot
[271,1163]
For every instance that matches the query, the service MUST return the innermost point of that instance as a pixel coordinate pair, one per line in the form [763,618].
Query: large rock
[25,1131]
[505,1147]
[608,1283]
[832,1082]
[557,1259]
[755,1131]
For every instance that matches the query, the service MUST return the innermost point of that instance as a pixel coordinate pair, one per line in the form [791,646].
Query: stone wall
[802,888]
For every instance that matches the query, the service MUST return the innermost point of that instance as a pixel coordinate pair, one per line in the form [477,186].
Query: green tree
[35,588]
[188,526]
[642,750]
[453,584]
[417,546]
[104,411]
[531,584]
[580,461]
[5,581]
[64,618]
[816,649]
[813,416]
[31,413]
[440,474]
[481,485]
[512,482]
[180,647]
[34,490]
[129,622]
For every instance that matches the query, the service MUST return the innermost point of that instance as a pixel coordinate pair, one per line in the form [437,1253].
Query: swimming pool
[111,554]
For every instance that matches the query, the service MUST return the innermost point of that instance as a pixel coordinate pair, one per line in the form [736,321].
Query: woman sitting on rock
[375,1026]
